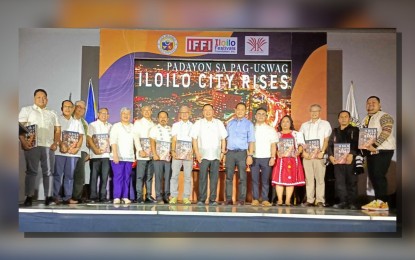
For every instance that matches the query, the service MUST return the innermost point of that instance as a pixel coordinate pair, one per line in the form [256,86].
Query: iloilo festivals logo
[167,44]
[216,45]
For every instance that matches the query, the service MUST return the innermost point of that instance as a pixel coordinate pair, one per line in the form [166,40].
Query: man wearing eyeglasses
[182,155]
[98,141]
[145,166]
[263,159]
[315,168]
[68,154]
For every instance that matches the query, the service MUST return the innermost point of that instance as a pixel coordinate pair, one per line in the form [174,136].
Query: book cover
[286,147]
[163,150]
[31,135]
[341,150]
[145,145]
[312,147]
[69,140]
[102,141]
[367,136]
[184,150]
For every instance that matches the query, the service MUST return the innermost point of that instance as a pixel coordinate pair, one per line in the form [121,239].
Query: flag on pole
[351,107]
[91,107]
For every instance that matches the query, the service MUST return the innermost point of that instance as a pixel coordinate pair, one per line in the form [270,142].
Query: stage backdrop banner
[284,72]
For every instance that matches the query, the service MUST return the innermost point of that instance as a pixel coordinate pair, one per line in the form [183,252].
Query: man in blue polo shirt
[240,148]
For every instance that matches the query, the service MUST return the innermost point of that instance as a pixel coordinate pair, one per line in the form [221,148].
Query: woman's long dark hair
[291,123]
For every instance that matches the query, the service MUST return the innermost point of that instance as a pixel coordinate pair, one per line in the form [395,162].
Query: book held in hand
[341,150]
[31,135]
[312,147]
[145,145]
[69,140]
[102,141]
[163,150]
[184,150]
[286,147]
[367,136]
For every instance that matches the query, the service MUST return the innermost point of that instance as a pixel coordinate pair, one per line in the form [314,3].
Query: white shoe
[126,201]
[117,201]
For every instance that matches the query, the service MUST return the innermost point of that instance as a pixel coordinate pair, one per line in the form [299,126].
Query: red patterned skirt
[288,172]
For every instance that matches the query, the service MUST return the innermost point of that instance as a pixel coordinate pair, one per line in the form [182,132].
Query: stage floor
[98,217]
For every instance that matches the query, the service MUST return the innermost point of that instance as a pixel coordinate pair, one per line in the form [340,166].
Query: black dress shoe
[341,205]
[28,201]
[140,200]
[69,201]
[213,203]
[49,201]
[353,207]
[150,200]
[307,204]
[105,201]
[241,203]
[229,202]
[320,205]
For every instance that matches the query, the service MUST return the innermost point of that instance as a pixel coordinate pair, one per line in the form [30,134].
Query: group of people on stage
[160,150]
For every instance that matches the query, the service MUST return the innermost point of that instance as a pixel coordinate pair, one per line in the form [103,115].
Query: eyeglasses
[103,113]
[67,106]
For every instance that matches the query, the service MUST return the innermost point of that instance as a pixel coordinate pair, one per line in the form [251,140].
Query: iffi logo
[256,45]
[199,45]
[167,44]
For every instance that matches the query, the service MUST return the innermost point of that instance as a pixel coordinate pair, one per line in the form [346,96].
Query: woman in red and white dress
[288,171]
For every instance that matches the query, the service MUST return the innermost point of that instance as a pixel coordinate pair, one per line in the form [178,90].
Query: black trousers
[377,167]
[208,168]
[79,177]
[100,168]
[345,183]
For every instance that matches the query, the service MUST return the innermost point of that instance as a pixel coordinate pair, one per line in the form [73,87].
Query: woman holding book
[288,171]
[122,156]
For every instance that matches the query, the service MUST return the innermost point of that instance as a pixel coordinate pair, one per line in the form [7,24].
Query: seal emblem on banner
[167,44]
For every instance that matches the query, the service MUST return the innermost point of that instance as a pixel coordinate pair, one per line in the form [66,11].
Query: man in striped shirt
[379,154]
